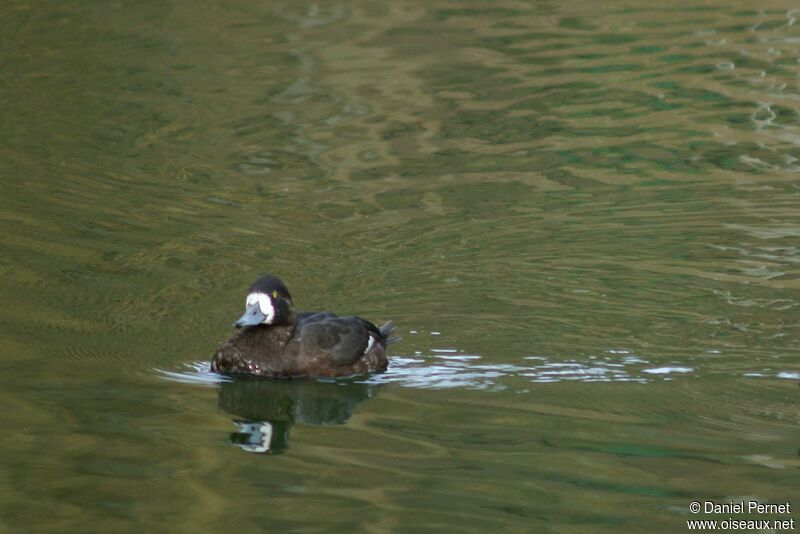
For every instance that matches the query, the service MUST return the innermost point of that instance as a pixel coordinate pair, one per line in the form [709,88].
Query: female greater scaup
[278,342]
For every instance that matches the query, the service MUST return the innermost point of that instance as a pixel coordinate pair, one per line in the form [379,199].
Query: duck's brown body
[303,344]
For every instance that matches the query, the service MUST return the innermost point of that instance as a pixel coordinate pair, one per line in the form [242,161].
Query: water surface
[583,218]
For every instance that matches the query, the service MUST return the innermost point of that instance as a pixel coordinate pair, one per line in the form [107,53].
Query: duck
[275,341]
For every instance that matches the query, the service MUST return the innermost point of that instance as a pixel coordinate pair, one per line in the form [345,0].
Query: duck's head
[268,302]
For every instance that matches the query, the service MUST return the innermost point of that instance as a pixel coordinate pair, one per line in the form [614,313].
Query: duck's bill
[252,316]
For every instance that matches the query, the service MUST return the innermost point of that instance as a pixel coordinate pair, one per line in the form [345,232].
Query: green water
[584,220]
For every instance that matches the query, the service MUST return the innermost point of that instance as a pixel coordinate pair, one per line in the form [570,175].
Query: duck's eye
[275,294]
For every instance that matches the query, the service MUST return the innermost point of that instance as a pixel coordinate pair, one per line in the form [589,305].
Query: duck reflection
[269,408]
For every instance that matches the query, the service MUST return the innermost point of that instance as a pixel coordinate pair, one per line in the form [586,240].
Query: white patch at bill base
[264,304]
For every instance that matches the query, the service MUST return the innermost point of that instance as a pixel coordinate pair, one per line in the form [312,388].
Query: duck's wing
[344,340]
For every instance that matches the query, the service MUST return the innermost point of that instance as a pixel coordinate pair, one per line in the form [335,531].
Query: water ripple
[441,369]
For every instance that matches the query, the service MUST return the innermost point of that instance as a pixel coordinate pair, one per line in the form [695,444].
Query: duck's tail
[387,331]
